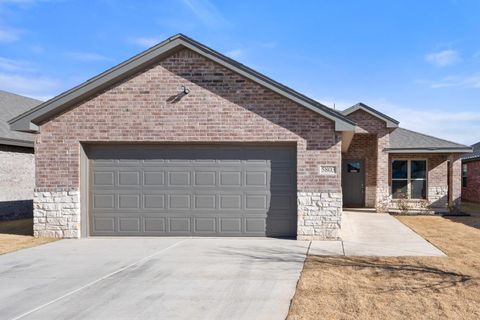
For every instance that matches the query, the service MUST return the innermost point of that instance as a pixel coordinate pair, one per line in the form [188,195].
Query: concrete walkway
[152,278]
[375,234]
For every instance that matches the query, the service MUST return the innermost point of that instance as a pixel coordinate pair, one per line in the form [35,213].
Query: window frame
[409,178]
[464,175]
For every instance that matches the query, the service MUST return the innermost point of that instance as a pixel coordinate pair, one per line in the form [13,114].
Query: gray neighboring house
[17,161]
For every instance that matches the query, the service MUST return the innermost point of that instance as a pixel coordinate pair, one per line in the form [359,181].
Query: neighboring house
[181,140]
[471,175]
[17,163]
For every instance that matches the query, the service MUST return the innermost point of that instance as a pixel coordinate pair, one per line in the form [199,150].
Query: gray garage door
[179,190]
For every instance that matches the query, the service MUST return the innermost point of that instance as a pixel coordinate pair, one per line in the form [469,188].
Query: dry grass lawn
[399,288]
[18,234]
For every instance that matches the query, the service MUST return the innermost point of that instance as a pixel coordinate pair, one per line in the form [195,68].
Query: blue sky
[418,61]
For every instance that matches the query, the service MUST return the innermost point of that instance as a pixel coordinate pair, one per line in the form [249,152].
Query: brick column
[383,192]
[455,187]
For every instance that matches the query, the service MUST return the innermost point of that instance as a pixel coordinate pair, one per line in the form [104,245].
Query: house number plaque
[327,170]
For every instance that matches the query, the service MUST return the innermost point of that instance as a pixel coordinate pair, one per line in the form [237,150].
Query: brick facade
[364,147]
[472,191]
[370,139]
[369,124]
[222,106]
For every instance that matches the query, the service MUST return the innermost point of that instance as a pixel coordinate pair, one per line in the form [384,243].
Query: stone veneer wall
[57,213]
[222,106]
[319,215]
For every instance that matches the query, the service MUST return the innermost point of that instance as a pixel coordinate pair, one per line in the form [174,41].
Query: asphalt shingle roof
[476,153]
[11,105]
[406,139]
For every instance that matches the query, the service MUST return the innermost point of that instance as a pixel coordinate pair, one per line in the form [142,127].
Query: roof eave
[471,159]
[16,142]
[30,120]
[390,122]
[428,150]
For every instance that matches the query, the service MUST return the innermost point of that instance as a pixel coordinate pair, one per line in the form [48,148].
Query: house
[471,175]
[17,164]
[181,140]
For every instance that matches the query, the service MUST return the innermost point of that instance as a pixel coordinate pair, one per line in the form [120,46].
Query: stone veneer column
[319,215]
[383,192]
[455,186]
[56,213]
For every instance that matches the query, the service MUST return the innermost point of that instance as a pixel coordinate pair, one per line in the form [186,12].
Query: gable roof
[12,105]
[391,123]
[475,155]
[29,120]
[407,141]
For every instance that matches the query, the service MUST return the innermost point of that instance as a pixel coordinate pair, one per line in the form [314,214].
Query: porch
[394,181]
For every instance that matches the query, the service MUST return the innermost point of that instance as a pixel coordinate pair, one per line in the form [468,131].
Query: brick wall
[364,147]
[472,191]
[221,107]
[17,181]
[367,123]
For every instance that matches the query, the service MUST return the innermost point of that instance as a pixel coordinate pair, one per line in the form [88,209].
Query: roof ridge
[133,64]
[257,73]
[426,135]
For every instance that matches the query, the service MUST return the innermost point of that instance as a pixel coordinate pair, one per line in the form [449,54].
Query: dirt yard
[18,234]
[399,288]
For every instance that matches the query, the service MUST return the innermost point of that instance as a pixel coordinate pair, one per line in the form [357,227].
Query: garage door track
[152,278]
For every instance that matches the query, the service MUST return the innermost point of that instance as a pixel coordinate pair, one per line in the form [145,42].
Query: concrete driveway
[152,278]
[366,233]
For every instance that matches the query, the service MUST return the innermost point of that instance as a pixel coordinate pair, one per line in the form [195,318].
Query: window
[353,167]
[409,179]
[464,175]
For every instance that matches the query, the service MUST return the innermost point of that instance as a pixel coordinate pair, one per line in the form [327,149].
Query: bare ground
[18,234]
[403,287]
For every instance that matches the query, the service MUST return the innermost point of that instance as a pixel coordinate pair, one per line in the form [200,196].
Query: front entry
[353,183]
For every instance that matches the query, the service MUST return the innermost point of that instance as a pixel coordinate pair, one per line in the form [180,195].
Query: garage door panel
[256,178]
[205,202]
[129,224]
[104,224]
[178,178]
[205,178]
[129,201]
[230,225]
[103,201]
[104,178]
[154,201]
[178,201]
[230,178]
[154,224]
[255,225]
[179,225]
[230,202]
[154,178]
[205,225]
[192,190]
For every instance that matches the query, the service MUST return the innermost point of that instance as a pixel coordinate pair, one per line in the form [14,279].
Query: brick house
[181,140]
[17,163]
[471,175]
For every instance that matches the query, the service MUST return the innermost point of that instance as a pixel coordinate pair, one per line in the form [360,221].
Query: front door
[353,183]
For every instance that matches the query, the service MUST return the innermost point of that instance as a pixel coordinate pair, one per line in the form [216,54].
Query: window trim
[409,178]
[464,175]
